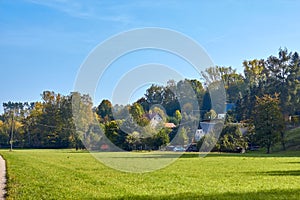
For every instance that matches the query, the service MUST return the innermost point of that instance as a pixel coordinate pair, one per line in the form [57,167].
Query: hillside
[292,140]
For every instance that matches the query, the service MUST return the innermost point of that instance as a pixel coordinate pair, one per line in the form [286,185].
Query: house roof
[207,126]
[170,125]
[150,116]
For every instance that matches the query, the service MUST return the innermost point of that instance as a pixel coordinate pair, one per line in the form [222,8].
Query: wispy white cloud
[96,10]
[71,8]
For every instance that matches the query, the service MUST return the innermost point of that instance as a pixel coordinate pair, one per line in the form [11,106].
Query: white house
[155,119]
[198,135]
[221,116]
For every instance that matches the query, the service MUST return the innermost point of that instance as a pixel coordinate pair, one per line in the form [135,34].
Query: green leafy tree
[121,112]
[138,114]
[206,105]
[268,121]
[231,139]
[187,108]
[112,131]
[285,70]
[104,111]
[133,140]
[170,101]
[256,80]
[213,77]
[154,95]
[186,92]
[233,82]
[50,125]
[181,137]
[208,143]
[115,134]
[32,125]
[161,138]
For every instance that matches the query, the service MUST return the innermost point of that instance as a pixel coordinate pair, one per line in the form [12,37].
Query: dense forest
[265,98]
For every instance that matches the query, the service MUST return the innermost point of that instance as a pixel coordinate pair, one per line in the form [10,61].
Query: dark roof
[150,116]
[207,126]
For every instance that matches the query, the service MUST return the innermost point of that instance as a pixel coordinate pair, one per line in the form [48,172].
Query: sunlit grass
[66,174]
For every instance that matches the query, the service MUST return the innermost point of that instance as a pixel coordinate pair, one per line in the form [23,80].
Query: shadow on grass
[292,162]
[156,154]
[282,173]
[270,194]
[169,155]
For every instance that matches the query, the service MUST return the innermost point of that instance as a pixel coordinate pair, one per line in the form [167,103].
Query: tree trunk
[283,141]
[76,146]
[268,147]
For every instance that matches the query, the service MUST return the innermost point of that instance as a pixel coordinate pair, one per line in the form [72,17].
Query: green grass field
[66,174]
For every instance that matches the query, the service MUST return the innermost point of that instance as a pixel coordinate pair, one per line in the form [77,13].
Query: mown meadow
[67,174]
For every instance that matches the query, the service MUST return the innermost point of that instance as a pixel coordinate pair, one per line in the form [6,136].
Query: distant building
[198,135]
[228,107]
[170,125]
[221,116]
[207,126]
[155,119]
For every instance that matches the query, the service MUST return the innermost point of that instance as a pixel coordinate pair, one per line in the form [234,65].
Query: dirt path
[2,178]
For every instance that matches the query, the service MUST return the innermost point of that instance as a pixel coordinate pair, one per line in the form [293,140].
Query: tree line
[265,97]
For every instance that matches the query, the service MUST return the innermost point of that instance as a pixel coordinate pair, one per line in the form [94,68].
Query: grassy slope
[65,174]
[293,139]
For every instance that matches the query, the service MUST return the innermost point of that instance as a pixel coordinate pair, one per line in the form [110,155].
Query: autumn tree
[14,115]
[87,130]
[211,115]
[4,134]
[177,116]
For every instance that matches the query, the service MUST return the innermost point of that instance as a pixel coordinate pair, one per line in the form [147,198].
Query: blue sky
[44,42]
